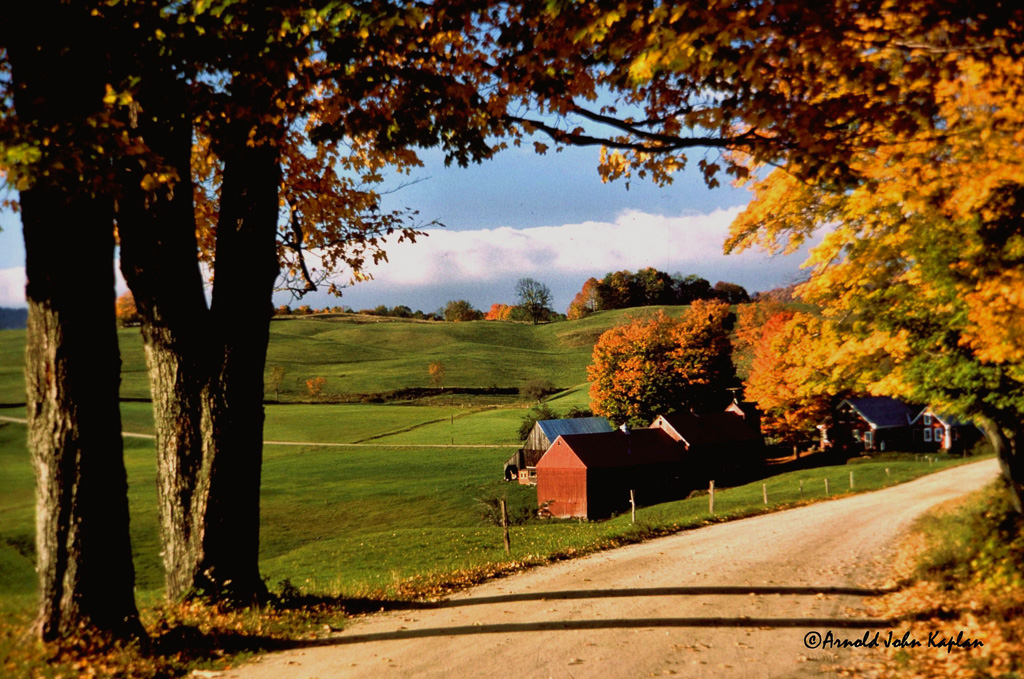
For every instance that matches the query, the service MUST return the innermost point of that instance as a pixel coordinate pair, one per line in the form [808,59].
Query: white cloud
[482,265]
[12,287]
[633,241]
[689,244]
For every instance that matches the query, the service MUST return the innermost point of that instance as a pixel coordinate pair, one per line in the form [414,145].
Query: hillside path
[728,600]
[321,444]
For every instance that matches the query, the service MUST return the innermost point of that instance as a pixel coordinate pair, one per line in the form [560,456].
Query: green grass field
[374,518]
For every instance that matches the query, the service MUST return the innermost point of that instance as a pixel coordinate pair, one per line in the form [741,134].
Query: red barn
[590,475]
[721,446]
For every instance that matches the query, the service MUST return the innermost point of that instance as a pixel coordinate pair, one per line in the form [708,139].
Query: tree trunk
[84,557]
[246,269]
[206,366]
[72,362]
[159,262]
[1007,441]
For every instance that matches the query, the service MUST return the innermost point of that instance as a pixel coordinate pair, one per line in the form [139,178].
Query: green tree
[537,388]
[459,310]
[535,414]
[534,299]
[275,380]
[654,287]
[618,290]
[691,288]
[731,293]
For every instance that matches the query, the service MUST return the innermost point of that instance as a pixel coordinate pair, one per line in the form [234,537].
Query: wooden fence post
[851,480]
[504,527]
[801,488]
[826,487]
[632,506]
[711,498]
[764,492]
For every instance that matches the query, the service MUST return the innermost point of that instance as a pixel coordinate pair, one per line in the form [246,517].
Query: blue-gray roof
[574,425]
[883,411]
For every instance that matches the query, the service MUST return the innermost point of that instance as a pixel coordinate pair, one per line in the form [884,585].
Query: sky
[522,215]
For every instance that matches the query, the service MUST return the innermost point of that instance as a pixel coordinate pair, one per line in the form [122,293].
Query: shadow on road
[368,605]
[614,623]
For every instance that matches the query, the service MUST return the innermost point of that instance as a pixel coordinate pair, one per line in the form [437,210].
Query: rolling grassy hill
[365,355]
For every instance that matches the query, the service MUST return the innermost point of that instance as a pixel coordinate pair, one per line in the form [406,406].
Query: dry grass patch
[963,572]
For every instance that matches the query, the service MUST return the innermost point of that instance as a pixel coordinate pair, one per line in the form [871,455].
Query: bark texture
[1007,440]
[205,365]
[246,269]
[84,559]
[159,262]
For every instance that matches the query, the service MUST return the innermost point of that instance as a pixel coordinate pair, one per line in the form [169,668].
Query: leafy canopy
[657,364]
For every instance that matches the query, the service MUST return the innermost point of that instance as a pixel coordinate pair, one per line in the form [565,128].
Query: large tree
[534,298]
[52,152]
[283,172]
[178,87]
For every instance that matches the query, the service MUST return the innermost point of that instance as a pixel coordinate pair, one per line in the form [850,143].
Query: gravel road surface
[735,599]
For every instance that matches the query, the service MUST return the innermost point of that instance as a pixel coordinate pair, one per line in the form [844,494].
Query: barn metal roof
[883,411]
[574,425]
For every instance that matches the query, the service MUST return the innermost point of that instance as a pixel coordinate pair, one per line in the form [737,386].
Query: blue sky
[547,217]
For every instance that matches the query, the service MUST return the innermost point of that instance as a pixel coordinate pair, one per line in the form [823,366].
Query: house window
[867,438]
[928,435]
[927,422]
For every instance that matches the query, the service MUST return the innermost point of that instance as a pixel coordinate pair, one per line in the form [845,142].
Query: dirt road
[730,600]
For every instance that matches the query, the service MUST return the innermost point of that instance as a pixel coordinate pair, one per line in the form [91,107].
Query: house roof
[744,408]
[612,449]
[552,429]
[945,419]
[882,411]
[712,428]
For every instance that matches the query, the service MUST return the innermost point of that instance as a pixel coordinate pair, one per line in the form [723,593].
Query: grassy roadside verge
[963,571]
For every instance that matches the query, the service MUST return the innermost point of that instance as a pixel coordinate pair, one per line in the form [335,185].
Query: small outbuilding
[522,465]
[591,475]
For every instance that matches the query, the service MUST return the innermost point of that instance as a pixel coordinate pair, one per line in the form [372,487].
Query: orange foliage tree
[499,312]
[126,311]
[585,302]
[658,364]
[436,372]
[791,376]
[315,386]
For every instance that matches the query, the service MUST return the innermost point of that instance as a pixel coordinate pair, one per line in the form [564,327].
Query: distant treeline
[649,287]
[399,311]
[13,319]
